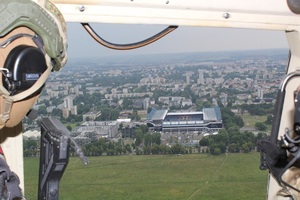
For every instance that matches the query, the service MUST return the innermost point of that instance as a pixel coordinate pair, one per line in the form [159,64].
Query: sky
[183,39]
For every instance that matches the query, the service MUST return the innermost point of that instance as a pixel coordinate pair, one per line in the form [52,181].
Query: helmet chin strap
[5,109]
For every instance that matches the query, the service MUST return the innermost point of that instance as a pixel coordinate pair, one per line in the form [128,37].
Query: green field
[192,176]
[250,120]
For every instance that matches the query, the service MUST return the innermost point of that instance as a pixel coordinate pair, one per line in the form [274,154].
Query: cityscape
[101,96]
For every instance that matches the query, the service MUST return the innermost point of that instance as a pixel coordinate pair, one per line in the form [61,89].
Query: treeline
[101,146]
[106,147]
[163,149]
[145,143]
[150,142]
[258,109]
[30,148]
[230,137]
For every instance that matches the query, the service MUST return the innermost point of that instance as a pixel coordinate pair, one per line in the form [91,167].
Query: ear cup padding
[26,64]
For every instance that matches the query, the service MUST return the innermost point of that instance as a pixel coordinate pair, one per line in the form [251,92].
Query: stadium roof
[209,114]
[185,113]
[212,114]
[157,114]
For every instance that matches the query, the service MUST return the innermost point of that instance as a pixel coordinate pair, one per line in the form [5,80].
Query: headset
[22,68]
[31,48]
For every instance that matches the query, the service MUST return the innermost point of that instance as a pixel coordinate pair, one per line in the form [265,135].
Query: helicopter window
[177,119]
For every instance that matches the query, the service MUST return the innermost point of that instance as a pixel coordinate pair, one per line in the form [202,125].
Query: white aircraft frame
[248,14]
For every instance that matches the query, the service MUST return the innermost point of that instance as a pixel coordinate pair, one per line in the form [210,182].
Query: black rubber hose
[136,45]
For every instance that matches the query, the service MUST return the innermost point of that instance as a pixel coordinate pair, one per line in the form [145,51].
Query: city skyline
[251,75]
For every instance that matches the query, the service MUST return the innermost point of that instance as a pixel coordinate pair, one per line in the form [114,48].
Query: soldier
[33,42]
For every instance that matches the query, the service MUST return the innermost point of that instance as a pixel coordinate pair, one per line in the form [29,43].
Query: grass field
[251,120]
[192,176]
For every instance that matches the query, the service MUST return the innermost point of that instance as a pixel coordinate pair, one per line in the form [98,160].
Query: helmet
[33,42]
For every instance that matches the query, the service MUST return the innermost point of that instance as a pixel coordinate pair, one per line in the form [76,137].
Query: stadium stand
[207,120]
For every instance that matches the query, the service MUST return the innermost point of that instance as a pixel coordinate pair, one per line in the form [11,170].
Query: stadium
[208,120]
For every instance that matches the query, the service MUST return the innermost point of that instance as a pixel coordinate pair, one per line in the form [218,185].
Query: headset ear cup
[26,64]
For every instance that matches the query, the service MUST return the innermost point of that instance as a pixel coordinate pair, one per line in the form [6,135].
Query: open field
[191,176]
[73,125]
[251,120]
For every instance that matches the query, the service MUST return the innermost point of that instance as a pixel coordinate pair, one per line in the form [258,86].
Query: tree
[156,138]
[144,128]
[147,150]
[147,140]
[216,151]
[164,149]
[233,148]
[259,109]
[127,103]
[222,147]
[269,119]
[138,137]
[260,126]
[260,136]
[56,112]
[42,110]
[206,104]
[128,148]
[239,121]
[135,116]
[222,136]
[69,128]
[190,149]
[177,149]
[247,147]
[203,142]
[232,131]
[155,149]
[30,148]
[199,104]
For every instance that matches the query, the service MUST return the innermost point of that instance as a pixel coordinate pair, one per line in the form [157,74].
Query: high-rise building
[188,77]
[146,103]
[65,113]
[260,93]
[69,107]
[200,79]
[74,110]
[68,102]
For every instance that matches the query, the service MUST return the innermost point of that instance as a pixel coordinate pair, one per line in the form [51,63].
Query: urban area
[163,104]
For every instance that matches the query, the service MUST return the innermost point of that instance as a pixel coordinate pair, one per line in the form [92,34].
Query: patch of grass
[251,120]
[73,125]
[192,176]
